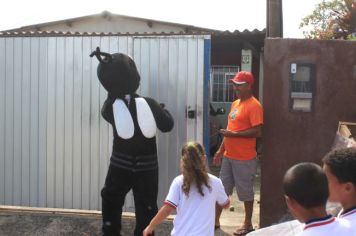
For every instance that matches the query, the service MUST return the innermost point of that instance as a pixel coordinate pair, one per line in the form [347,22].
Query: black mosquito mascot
[133,162]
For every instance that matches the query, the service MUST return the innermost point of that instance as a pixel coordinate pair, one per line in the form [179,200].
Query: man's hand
[252,132]
[217,157]
[227,133]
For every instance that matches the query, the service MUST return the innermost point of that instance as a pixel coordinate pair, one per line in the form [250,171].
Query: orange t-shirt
[243,115]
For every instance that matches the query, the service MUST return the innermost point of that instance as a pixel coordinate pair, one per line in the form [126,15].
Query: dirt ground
[50,221]
[44,222]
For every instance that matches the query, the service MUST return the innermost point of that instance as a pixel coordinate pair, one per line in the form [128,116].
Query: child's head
[193,167]
[305,186]
[340,169]
[193,154]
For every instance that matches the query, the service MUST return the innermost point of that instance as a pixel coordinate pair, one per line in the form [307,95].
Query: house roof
[66,34]
[105,15]
[32,30]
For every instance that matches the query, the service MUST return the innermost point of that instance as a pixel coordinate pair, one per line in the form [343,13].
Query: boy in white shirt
[306,192]
[340,169]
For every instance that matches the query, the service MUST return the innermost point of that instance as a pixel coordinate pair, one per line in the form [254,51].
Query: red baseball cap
[242,77]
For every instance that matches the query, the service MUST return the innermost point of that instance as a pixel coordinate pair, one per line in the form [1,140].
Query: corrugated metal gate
[54,145]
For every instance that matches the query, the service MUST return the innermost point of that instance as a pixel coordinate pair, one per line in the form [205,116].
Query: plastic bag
[342,142]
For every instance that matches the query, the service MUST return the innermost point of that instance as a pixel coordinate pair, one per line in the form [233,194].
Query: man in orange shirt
[237,153]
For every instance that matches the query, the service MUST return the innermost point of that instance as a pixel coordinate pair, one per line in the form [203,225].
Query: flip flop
[242,232]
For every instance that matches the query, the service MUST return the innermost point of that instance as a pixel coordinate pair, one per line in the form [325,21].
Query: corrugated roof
[105,15]
[28,31]
[64,34]
[255,31]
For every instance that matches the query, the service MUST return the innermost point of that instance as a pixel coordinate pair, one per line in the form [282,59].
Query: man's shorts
[239,174]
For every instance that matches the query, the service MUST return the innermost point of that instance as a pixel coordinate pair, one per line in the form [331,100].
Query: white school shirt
[288,228]
[328,226]
[350,216]
[195,213]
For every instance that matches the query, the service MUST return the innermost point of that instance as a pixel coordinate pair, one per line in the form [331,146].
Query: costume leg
[117,184]
[145,192]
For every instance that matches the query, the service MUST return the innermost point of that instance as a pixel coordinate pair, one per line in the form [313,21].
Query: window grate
[221,89]
[302,87]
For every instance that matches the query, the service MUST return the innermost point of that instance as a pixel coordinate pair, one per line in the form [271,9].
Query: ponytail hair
[193,168]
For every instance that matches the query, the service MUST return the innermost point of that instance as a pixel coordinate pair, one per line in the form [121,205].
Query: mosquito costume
[133,162]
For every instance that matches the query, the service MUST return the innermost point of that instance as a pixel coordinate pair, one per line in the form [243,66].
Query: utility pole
[274,18]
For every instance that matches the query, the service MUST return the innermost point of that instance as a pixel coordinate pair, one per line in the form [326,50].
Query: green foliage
[330,19]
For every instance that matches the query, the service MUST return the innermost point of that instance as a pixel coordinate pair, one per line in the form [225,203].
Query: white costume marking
[123,120]
[145,118]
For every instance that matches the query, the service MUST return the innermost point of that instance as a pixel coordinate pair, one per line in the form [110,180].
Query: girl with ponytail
[193,195]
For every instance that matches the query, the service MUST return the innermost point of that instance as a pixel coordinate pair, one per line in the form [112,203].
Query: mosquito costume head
[117,73]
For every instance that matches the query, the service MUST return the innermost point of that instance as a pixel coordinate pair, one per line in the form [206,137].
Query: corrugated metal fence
[54,144]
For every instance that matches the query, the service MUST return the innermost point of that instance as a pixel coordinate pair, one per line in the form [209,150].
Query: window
[301,87]
[221,89]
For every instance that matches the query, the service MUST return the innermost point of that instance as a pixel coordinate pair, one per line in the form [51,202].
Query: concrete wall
[290,137]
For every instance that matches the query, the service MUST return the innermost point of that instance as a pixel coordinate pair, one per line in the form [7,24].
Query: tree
[332,19]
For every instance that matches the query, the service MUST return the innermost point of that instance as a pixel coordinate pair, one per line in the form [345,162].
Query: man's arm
[219,153]
[253,132]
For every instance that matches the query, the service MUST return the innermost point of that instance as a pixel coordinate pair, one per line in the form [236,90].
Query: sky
[218,14]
